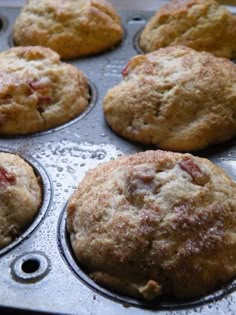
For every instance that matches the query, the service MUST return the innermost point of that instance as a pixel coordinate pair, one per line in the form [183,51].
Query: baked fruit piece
[203,25]
[72,28]
[156,223]
[38,91]
[20,197]
[176,98]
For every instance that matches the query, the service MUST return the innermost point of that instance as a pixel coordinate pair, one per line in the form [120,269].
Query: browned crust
[70,28]
[20,197]
[176,98]
[38,91]
[155,223]
[203,25]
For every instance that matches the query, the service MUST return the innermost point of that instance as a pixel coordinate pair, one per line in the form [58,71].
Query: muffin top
[38,91]
[73,28]
[155,223]
[176,98]
[20,197]
[203,25]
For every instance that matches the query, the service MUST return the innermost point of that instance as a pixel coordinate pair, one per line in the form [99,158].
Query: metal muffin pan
[39,271]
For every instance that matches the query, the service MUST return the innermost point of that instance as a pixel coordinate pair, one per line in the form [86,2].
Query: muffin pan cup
[39,271]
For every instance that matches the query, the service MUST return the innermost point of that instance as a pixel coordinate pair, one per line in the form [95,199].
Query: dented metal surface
[38,271]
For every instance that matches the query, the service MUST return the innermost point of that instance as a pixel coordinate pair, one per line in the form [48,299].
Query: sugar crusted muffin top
[38,91]
[176,98]
[20,197]
[155,223]
[203,25]
[73,28]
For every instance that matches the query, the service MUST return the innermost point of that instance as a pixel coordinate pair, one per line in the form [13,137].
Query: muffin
[38,91]
[203,25]
[156,223]
[176,98]
[72,28]
[20,197]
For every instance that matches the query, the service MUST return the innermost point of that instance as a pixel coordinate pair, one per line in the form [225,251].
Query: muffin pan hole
[46,190]
[159,304]
[137,19]
[3,23]
[30,267]
[136,40]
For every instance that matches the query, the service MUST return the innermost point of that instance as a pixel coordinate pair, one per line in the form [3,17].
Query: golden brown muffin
[176,98]
[38,91]
[156,223]
[20,197]
[72,28]
[203,25]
